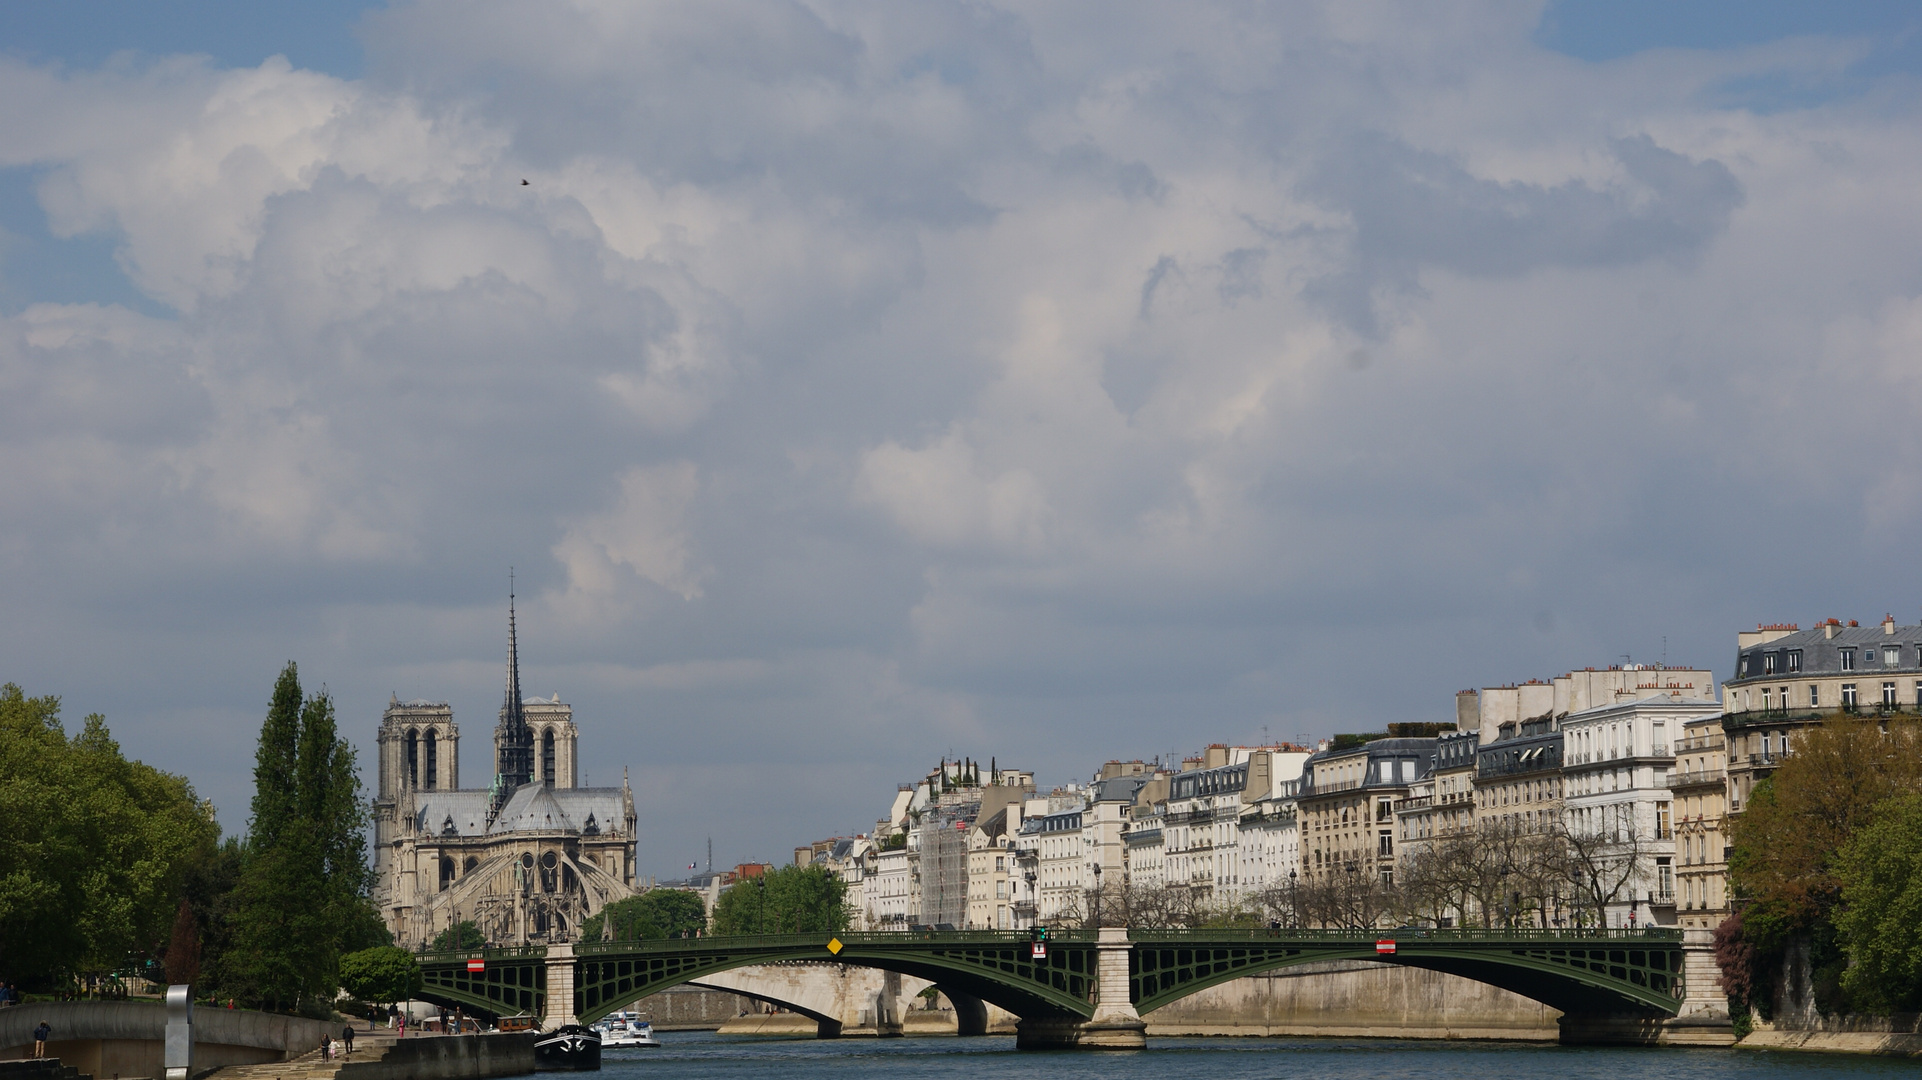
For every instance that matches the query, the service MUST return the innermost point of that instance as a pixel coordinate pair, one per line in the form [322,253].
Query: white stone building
[1617,771]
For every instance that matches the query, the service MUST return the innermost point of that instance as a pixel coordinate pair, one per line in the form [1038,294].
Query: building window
[1665,883]
[1795,659]
[1888,694]
[1815,699]
[1848,695]
[1891,656]
[1848,659]
[1768,699]
[1742,668]
[1768,663]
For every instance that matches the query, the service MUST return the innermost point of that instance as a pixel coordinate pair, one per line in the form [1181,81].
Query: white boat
[625,1029]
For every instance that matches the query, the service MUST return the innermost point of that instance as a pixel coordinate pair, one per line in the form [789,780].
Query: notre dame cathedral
[526,858]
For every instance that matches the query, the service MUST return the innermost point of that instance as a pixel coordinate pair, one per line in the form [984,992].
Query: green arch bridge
[1092,986]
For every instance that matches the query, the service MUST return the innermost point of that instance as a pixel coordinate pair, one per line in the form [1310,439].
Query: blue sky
[853,384]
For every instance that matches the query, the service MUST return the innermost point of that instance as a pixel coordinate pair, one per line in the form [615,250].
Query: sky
[850,384]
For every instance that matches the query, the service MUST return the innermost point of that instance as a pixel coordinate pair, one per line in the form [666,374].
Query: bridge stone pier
[1115,1024]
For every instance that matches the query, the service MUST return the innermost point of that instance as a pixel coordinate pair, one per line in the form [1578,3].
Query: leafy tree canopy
[383,973]
[657,913]
[95,847]
[465,934]
[1880,916]
[791,900]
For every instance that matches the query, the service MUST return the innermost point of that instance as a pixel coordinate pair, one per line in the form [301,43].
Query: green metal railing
[1498,936]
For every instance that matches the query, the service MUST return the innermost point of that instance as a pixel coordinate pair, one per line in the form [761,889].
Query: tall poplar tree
[303,892]
[268,919]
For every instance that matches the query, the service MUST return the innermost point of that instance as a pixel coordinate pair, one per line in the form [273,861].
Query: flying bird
[523,183]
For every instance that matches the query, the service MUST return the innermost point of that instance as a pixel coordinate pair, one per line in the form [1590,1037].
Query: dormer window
[1848,659]
[447,826]
[1794,657]
[1741,668]
[1768,663]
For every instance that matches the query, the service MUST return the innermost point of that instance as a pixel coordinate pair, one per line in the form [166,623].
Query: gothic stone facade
[527,858]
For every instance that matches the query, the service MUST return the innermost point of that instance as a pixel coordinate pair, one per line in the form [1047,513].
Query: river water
[706,1056]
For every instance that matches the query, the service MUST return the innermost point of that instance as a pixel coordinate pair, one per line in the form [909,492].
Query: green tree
[1880,916]
[383,973]
[301,901]
[1786,865]
[465,934]
[95,847]
[791,900]
[657,913]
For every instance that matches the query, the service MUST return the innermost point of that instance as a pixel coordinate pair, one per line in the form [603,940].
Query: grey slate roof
[1822,654]
[532,808]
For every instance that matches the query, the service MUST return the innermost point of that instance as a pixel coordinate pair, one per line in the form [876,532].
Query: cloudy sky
[854,383]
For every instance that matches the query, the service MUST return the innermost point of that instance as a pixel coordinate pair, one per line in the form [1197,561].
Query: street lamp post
[1294,904]
[1097,894]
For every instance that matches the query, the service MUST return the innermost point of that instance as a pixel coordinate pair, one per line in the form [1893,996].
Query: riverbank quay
[1882,1036]
[128,1038]
[379,1056]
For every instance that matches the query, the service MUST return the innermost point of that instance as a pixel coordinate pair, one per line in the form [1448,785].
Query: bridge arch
[1576,974]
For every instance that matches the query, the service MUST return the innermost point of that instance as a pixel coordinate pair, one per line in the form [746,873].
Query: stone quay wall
[128,1038]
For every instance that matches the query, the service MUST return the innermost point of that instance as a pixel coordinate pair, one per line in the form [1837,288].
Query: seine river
[690,1055]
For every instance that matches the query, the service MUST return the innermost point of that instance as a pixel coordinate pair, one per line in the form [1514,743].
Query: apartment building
[1346,807]
[1787,678]
[1618,765]
[1699,788]
[1518,777]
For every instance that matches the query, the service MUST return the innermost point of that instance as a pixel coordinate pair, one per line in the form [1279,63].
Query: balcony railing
[1697,776]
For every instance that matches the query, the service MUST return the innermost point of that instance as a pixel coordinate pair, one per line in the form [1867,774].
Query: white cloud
[908,378]
[645,532]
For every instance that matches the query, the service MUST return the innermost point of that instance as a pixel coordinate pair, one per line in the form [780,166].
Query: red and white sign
[1385,946]
[1040,950]
[477,965]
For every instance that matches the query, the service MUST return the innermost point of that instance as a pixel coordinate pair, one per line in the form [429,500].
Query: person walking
[326,1048]
[393,1015]
[40,1036]
[347,1039]
[400,1027]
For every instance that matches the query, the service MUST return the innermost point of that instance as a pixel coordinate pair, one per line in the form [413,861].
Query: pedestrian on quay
[393,1015]
[347,1038]
[326,1047]
[400,1026]
[40,1036]
[460,1021]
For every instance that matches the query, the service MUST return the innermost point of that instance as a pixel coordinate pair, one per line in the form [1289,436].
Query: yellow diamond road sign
[835,946]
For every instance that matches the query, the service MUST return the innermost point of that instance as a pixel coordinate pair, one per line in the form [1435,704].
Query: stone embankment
[127,1038]
[1888,1036]
[428,1057]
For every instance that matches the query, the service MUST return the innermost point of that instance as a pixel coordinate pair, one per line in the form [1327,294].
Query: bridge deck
[1576,971]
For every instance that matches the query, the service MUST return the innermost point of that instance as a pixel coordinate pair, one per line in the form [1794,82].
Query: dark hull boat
[568,1048]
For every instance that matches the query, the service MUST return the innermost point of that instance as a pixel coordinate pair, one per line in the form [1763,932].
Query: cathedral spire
[513,739]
